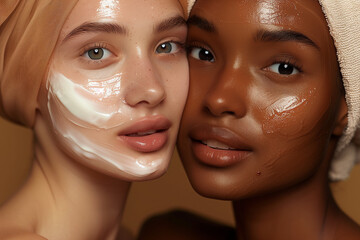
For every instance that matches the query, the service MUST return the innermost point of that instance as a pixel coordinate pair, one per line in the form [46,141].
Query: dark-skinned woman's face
[264,96]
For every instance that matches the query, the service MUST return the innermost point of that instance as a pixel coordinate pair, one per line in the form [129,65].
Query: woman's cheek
[176,75]
[294,116]
[91,105]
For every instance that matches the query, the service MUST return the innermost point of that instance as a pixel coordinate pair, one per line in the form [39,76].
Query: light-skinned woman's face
[117,85]
[264,96]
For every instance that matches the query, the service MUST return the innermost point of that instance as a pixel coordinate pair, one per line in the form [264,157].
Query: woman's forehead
[134,13]
[303,16]
[274,12]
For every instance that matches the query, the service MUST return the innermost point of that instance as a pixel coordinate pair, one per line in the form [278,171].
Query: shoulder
[14,225]
[341,227]
[11,232]
[124,234]
[19,235]
[350,231]
[180,224]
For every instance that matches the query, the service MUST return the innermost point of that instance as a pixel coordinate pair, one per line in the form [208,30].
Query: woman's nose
[145,85]
[228,94]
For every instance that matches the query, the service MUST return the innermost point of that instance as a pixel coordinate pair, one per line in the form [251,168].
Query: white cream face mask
[117,86]
[101,98]
[90,118]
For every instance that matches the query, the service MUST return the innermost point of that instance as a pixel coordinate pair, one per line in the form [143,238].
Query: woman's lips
[147,135]
[218,146]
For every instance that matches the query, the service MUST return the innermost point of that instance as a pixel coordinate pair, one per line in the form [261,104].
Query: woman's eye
[202,54]
[284,69]
[97,54]
[167,47]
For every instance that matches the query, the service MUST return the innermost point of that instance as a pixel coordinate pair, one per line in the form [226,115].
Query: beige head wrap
[29,30]
[343,17]
[344,22]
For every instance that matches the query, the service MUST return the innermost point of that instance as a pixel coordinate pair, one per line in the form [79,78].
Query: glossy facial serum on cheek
[94,103]
[82,113]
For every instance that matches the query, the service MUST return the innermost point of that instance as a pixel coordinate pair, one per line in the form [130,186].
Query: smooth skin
[69,195]
[264,113]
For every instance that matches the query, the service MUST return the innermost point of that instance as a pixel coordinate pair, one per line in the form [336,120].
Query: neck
[72,201]
[304,211]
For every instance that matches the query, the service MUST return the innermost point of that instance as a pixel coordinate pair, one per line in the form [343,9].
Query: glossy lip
[157,127]
[218,157]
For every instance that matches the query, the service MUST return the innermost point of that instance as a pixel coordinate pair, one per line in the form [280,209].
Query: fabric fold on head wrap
[344,23]
[29,30]
[190,5]
[6,8]
[343,18]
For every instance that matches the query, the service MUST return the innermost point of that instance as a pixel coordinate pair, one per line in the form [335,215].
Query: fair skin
[104,119]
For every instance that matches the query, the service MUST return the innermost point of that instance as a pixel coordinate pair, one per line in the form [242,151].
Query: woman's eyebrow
[284,36]
[97,27]
[170,23]
[201,23]
[118,29]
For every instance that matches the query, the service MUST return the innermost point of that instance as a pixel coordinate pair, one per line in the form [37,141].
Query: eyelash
[289,61]
[87,48]
[91,46]
[282,60]
[181,46]
[191,46]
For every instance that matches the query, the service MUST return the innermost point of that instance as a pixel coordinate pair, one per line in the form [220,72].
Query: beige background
[170,191]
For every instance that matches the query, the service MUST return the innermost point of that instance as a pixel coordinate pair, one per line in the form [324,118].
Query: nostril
[228,113]
[142,102]
[218,113]
[224,107]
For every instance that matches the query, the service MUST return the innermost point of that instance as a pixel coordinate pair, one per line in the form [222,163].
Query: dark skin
[179,225]
[264,113]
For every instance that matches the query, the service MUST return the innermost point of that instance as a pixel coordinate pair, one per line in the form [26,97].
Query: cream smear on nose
[95,103]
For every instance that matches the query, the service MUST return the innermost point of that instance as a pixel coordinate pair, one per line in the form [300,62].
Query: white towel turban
[343,17]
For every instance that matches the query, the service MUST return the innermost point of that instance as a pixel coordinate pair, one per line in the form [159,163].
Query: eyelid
[199,46]
[90,64]
[106,54]
[287,60]
[297,71]
[180,44]
[192,45]
[90,46]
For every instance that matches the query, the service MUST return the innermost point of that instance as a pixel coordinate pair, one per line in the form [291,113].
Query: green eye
[96,53]
[167,47]
[164,48]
